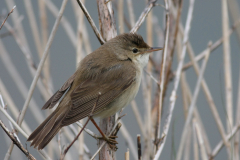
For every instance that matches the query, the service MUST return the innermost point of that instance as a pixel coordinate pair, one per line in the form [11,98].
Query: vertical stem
[148,144]
[108,31]
[227,66]
[120,16]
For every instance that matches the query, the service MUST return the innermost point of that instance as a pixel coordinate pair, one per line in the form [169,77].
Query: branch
[143,16]
[44,56]
[7,16]
[16,142]
[91,22]
[177,79]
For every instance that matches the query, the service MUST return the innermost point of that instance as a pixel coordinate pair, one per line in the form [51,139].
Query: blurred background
[206,26]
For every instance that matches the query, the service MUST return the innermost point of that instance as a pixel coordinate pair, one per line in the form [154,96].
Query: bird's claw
[111,141]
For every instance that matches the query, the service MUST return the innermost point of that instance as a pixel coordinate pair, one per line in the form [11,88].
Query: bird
[114,70]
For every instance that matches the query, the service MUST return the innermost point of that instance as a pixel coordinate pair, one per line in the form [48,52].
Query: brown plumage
[111,70]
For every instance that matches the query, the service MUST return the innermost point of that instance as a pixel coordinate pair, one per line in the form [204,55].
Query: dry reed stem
[215,45]
[33,26]
[127,157]
[31,66]
[235,14]
[8,154]
[227,67]
[44,32]
[7,17]
[148,122]
[236,141]
[128,138]
[131,12]
[191,107]
[209,98]
[11,105]
[143,16]
[187,149]
[187,91]
[64,22]
[176,82]
[139,147]
[162,74]
[120,16]
[195,144]
[17,25]
[200,141]
[74,133]
[91,22]
[138,117]
[9,65]
[88,131]
[42,61]
[16,142]
[221,144]
[108,31]
[18,128]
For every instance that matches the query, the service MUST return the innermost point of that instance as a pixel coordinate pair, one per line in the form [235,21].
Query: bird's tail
[47,130]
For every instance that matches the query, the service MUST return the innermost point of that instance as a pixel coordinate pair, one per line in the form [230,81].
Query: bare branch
[143,16]
[16,142]
[7,17]
[34,82]
[177,79]
[91,22]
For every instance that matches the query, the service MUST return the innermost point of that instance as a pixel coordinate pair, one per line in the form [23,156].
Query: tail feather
[47,130]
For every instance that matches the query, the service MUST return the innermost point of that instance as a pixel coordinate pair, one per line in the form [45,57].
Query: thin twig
[215,45]
[237,136]
[221,144]
[200,141]
[131,12]
[33,25]
[209,97]
[143,16]
[16,142]
[42,60]
[91,22]
[177,79]
[42,152]
[7,17]
[191,108]
[138,117]
[162,75]
[139,147]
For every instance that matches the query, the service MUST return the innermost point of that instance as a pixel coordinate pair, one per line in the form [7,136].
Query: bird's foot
[111,141]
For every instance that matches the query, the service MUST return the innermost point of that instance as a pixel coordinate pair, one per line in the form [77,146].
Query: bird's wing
[56,97]
[110,84]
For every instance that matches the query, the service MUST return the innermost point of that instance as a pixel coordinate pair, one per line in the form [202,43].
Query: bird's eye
[135,50]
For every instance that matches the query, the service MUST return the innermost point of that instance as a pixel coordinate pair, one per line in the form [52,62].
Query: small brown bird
[114,70]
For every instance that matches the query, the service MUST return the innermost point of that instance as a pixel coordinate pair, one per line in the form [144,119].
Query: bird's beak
[152,49]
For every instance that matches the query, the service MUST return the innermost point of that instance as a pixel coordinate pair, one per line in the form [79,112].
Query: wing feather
[84,96]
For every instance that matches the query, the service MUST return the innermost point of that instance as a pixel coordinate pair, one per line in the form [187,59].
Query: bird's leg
[109,139]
